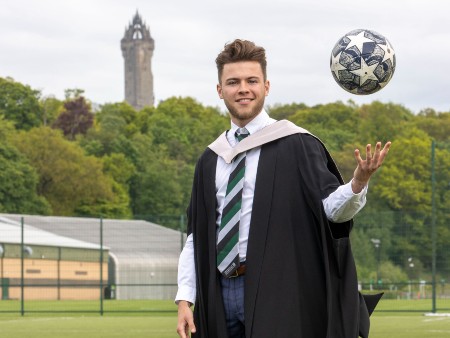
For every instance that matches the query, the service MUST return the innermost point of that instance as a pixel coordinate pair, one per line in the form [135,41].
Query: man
[267,253]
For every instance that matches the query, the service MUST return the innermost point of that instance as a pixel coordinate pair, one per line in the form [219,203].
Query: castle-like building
[137,49]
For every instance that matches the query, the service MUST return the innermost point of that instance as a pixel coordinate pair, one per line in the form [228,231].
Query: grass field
[163,324]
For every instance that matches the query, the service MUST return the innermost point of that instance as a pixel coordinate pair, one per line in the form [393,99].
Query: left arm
[346,201]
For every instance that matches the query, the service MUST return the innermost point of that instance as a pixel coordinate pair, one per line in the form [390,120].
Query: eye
[231,82]
[253,81]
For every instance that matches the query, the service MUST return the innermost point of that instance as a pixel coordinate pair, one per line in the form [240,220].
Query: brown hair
[241,50]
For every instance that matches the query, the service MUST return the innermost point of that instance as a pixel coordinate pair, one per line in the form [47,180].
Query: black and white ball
[362,62]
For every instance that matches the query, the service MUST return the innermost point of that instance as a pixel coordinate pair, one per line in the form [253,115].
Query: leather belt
[240,271]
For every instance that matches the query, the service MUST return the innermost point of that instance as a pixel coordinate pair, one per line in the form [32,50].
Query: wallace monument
[137,49]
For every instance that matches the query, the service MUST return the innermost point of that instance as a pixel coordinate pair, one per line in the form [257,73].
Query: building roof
[128,240]
[12,234]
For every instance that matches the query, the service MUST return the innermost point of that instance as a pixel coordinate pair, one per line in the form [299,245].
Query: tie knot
[241,133]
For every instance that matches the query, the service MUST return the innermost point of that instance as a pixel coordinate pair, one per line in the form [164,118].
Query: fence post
[101,266]
[22,267]
[433,225]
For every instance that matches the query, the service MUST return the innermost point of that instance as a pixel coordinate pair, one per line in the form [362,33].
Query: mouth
[244,100]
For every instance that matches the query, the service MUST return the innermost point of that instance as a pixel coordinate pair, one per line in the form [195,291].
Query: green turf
[88,327]
[411,323]
[383,326]
[409,326]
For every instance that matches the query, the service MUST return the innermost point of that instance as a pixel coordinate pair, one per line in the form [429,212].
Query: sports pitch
[163,324]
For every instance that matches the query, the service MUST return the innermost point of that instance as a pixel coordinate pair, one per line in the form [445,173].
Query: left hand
[370,165]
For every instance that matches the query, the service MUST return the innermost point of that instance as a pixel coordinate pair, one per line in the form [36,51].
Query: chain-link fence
[64,264]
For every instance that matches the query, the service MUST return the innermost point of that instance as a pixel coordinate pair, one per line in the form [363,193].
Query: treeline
[65,157]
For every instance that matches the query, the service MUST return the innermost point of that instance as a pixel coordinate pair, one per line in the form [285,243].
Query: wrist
[357,185]
[184,303]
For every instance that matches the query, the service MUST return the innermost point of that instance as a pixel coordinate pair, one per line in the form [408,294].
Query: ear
[219,91]
[267,87]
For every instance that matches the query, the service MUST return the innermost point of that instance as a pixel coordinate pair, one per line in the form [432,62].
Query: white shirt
[340,206]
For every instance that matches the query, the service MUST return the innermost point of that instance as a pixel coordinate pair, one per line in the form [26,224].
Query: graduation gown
[300,274]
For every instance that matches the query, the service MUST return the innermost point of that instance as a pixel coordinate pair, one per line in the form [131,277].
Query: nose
[243,87]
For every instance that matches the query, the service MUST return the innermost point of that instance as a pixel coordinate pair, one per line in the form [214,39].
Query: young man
[267,253]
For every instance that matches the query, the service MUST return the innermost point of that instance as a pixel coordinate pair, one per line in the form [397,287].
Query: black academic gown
[301,278]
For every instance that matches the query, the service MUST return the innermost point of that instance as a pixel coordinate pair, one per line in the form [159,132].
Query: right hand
[185,319]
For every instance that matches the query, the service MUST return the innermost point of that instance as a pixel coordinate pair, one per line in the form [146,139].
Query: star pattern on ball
[336,65]
[365,72]
[358,41]
[388,51]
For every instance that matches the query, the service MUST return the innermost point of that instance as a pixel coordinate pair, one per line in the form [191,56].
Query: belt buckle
[235,274]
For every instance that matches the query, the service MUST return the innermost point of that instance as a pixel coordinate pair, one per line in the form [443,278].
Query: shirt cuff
[348,191]
[186,293]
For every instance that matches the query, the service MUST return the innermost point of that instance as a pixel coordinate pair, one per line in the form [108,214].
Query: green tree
[114,128]
[51,108]
[382,121]
[20,104]
[157,187]
[436,125]
[185,127]
[404,182]
[68,179]
[18,179]
[285,111]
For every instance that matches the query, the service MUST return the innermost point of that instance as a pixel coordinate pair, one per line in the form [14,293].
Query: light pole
[377,243]
[411,266]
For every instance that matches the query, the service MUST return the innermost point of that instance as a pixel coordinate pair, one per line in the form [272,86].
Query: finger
[358,156]
[376,155]
[369,152]
[182,331]
[384,152]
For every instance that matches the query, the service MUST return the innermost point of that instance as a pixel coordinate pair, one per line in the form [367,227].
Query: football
[362,62]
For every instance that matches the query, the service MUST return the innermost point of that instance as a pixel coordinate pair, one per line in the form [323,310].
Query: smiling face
[243,89]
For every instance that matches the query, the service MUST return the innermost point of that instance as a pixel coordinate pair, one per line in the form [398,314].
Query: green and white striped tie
[228,236]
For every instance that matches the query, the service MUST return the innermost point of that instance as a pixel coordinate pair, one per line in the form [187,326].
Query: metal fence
[76,264]
[62,264]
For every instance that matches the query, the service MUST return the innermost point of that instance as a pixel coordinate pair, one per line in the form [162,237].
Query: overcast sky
[53,45]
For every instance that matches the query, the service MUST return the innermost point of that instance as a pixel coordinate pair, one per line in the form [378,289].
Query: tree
[68,178]
[75,119]
[20,104]
[404,182]
[18,179]
[382,122]
[114,128]
[185,127]
[285,111]
[51,108]
[435,124]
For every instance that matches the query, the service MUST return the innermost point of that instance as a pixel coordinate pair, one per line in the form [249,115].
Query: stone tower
[137,49]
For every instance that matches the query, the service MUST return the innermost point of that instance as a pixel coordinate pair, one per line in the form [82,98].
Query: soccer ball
[362,62]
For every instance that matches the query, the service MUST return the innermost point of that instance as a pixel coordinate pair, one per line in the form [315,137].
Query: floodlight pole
[22,267]
[377,243]
[433,226]
[101,266]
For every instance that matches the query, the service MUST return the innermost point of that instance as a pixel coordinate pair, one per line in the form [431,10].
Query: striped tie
[228,237]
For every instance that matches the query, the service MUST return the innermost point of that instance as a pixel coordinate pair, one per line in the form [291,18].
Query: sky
[53,45]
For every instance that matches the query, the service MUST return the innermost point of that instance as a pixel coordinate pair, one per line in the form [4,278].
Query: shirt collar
[259,122]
